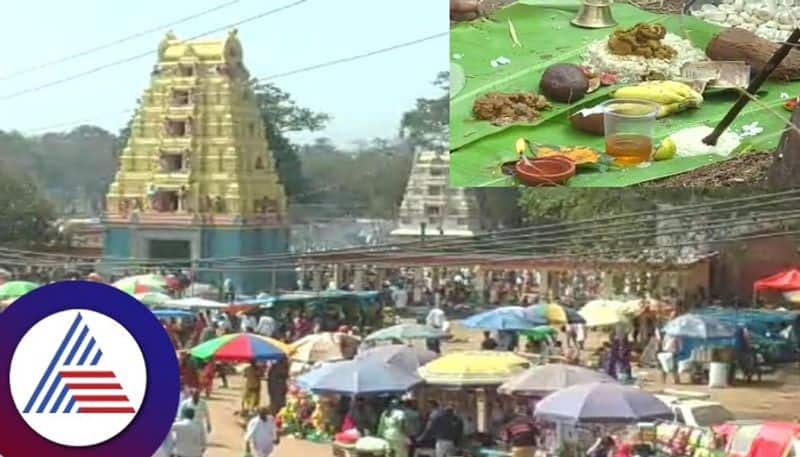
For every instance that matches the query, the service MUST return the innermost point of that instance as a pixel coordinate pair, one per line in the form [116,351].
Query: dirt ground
[777,397]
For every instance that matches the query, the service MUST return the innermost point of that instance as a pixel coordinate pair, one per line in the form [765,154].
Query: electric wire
[77,55]
[115,63]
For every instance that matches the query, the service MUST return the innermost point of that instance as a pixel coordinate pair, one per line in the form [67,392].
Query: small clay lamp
[552,170]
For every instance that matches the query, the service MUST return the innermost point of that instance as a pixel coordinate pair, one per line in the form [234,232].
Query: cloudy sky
[366,97]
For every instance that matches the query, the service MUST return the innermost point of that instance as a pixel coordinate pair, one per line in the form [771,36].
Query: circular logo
[82,388]
[86,370]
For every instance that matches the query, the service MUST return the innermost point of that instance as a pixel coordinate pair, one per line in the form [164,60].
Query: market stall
[469,380]
[580,93]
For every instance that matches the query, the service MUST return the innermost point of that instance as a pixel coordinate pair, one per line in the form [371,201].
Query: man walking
[188,436]
[262,435]
[446,430]
[200,408]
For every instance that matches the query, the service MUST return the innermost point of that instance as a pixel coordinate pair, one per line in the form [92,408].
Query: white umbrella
[199,289]
[195,303]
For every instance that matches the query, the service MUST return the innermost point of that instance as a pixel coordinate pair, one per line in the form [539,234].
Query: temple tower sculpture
[196,180]
[430,200]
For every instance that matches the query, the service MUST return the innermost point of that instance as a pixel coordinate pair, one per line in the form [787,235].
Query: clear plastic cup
[629,126]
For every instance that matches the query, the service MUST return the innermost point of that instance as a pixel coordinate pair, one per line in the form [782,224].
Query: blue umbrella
[172,314]
[365,376]
[601,402]
[699,326]
[505,318]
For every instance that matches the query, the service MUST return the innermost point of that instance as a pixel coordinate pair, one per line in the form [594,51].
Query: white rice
[632,68]
[689,142]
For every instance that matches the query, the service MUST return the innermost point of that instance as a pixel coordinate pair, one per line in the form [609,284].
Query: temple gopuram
[196,179]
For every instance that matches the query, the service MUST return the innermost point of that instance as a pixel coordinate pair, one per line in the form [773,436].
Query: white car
[696,410]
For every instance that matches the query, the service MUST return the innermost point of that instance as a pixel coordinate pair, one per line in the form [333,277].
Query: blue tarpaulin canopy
[361,376]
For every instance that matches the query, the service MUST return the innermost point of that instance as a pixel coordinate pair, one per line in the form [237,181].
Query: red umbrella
[784,281]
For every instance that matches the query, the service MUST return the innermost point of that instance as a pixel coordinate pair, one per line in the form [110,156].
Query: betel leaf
[478,146]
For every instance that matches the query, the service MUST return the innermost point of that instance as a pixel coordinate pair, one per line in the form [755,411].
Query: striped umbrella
[153,298]
[140,284]
[241,347]
[555,314]
[16,289]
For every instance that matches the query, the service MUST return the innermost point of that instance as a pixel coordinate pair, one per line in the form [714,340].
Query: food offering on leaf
[644,40]
[539,171]
[507,108]
[581,155]
[564,82]
[643,52]
[598,80]
[672,96]
[589,120]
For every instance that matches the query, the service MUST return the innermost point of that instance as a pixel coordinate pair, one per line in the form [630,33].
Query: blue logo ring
[152,423]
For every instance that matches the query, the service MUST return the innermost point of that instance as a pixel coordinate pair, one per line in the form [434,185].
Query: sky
[366,98]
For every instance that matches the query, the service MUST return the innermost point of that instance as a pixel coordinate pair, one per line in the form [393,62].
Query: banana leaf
[547,38]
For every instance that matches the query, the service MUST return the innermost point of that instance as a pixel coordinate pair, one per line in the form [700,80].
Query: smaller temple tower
[430,200]
[196,180]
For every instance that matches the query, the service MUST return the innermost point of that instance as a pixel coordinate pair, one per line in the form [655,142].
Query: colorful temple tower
[196,180]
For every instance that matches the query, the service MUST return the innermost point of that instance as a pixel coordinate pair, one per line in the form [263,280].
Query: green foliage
[369,181]
[426,126]
[25,216]
[76,166]
[281,115]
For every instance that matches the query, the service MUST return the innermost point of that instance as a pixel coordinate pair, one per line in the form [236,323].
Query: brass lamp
[594,14]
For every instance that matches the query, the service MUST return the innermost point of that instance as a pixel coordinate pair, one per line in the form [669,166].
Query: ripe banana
[672,96]
[682,89]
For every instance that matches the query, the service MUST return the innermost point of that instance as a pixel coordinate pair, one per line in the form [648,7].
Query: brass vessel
[594,14]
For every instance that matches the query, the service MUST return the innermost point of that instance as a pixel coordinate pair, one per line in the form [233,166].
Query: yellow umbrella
[602,313]
[554,313]
[473,368]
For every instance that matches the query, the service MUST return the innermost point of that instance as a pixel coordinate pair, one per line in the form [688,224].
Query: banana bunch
[672,96]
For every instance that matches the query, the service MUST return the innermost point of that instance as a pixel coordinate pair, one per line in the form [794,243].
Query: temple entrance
[174,250]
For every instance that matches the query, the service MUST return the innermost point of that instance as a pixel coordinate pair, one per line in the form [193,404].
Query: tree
[427,125]
[25,216]
[281,115]
[368,181]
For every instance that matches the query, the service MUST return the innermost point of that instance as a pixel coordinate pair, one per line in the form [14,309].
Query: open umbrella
[404,332]
[324,347]
[366,376]
[199,289]
[555,314]
[195,303]
[539,333]
[16,289]
[142,283]
[545,379]
[153,298]
[699,326]
[504,318]
[601,402]
[407,358]
[473,368]
[241,347]
[603,313]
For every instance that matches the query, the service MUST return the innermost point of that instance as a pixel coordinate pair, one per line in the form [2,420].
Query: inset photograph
[594,93]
